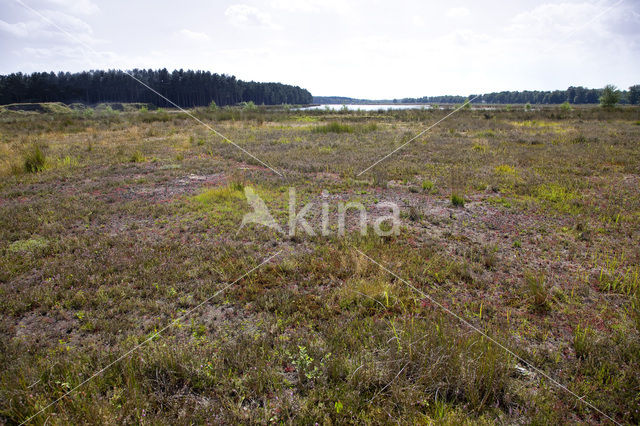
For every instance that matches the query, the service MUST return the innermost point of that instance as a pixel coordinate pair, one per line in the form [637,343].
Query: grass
[618,277]
[505,169]
[34,160]
[538,292]
[133,221]
[333,127]
[457,200]
[219,194]
[137,157]
[583,341]
[428,186]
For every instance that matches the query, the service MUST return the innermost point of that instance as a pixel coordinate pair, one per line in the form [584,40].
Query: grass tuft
[583,341]
[428,186]
[137,157]
[457,200]
[538,292]
[35,160]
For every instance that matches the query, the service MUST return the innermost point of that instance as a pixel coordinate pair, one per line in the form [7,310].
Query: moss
[31,245]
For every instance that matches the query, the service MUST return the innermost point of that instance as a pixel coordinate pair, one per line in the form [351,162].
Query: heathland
[523,222]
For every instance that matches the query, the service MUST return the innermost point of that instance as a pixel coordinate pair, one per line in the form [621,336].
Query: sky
[377,49]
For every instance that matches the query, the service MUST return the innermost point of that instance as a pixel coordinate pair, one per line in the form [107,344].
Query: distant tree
[610,96]
[634,94]
[185,88]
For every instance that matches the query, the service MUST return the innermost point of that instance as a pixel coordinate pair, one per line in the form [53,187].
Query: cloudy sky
[369,49]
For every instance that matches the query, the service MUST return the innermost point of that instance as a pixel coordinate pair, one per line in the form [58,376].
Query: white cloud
[37,29]
[417,21]
[19,29]
[553,18]
[67,22]
[458,12]
[186,34]
[245,16]
[312,6]
[84,7]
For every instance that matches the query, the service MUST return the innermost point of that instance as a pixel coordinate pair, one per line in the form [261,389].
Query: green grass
[457,200]
[137,157]
[34,160]
[220,194]
[333,127]
[428,186]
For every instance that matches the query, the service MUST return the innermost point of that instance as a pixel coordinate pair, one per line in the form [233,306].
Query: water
[367,107]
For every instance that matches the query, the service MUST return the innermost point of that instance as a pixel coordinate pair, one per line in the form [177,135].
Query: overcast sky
[366,49]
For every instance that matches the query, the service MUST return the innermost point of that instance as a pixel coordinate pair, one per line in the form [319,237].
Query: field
[123,267]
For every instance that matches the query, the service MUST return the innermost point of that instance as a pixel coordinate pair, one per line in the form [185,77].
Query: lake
[367,107]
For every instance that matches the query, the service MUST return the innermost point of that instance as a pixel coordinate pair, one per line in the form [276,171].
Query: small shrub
[34,160]
[308,368]
[248,106]
[457,200]
[414,214]
[566,106]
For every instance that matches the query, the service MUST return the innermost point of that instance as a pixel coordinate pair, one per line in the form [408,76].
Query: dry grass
[134,220]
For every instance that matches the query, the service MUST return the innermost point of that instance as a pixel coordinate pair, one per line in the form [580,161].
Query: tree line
[573,95]
[185,88]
